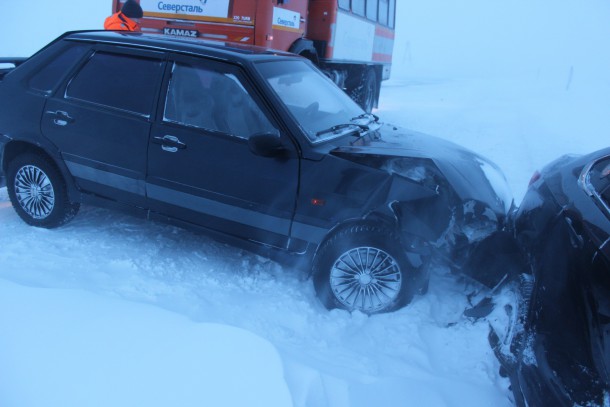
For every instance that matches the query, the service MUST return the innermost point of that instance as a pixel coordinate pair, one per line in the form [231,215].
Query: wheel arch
[305,48]
[399,208]
[15,148]
[376,232]
[376,218]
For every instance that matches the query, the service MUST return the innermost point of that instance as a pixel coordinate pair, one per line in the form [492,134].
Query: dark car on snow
[556,351]
[255,146]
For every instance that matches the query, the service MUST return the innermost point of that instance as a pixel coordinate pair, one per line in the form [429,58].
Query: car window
[314,101]
[121,81]
[48,77]
[213,100]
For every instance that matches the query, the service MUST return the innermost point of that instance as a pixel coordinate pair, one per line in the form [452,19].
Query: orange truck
[350,40]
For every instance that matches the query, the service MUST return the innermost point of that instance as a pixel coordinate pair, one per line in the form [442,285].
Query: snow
[71,348]
[114,310]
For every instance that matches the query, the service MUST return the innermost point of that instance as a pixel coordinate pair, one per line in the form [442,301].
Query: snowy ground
[112,310]
[60,289]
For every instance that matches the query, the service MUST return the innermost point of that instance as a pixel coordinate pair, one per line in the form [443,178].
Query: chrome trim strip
[585,183]
[583,179]
[308,233]
[199,204]
[219,209]
[110,179]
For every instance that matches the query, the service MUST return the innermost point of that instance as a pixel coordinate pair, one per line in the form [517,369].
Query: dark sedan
[253,146]
[557,349]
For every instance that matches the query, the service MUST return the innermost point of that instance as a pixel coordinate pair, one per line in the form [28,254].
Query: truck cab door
[288,23]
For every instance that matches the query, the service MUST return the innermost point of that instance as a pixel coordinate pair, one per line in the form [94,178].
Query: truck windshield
[321,109]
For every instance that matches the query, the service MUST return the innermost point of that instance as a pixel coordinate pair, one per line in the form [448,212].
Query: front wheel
[363,268]
[38,191]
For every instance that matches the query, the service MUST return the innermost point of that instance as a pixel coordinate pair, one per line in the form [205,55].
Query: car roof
[219,49]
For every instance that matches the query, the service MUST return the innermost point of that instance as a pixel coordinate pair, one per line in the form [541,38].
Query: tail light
[535,177]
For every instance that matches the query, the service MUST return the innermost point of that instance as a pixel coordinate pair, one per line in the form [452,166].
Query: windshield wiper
[337,128]
[372,118]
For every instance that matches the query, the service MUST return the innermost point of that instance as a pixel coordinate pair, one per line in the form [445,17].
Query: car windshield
[321,109]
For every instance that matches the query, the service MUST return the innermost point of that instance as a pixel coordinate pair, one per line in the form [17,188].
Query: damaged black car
[556,346]
[253,146]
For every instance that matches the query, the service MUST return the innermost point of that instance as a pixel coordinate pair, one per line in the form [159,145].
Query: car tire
[363,267]
[38,191]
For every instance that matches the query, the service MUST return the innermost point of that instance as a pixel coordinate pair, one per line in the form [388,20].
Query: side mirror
[265,144]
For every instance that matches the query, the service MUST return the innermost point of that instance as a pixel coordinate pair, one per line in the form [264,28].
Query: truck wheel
[365,93]
[38,191]
[364,268]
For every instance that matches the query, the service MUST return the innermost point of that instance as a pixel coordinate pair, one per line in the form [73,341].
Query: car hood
[472,176]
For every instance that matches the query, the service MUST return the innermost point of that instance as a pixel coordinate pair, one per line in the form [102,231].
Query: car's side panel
[20,110]
[564,234]
[20,113]
[334,190]
[560,319]
[104,147]
[337,189]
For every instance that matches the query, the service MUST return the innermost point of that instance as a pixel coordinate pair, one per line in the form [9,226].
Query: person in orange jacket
[126,19]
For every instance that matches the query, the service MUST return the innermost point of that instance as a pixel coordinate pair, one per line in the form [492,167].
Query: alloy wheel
[366,278]
[34,192]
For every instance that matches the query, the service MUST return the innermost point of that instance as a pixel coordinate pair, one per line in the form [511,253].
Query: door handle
[171,144]
[576,238]
[61,118]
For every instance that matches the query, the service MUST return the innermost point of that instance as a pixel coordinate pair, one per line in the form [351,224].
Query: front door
[200,168]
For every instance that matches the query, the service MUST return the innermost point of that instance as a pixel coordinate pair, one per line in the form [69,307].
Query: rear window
[49,76]
[120,81]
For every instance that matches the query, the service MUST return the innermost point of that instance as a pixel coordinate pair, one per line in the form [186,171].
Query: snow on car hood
[471,175]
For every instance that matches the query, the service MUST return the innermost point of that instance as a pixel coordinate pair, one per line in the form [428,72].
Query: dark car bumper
[559,361]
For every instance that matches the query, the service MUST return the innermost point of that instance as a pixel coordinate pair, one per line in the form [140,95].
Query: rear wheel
[365,94]
[364,268]
[38,191]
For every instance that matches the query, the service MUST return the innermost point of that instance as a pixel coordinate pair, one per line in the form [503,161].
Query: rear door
[200,168]
[101,119]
